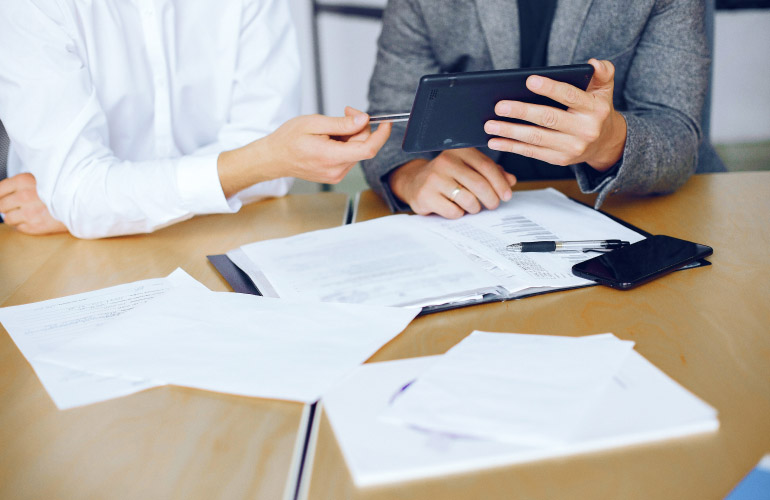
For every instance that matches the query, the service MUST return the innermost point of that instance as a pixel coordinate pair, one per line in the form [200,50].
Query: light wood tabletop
[707,328]
[167,442]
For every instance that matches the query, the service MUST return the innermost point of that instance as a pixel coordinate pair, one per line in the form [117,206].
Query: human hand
[316,148]
[23,208]
[590,130]
[455,182]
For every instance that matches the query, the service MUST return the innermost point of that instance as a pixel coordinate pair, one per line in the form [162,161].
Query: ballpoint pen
[396,117]
[555,246]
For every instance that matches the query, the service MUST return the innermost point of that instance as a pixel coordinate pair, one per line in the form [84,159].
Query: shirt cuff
[199,188]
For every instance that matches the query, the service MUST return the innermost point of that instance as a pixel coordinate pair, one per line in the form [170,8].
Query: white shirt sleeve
[60,132]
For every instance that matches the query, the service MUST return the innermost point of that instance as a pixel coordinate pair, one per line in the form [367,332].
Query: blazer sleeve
[404,54]
[664,94]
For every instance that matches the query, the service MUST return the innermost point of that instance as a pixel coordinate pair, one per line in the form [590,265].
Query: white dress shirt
[120,108]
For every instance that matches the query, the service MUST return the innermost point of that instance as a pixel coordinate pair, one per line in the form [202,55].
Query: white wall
[348,49]
[302,19]
[740,109]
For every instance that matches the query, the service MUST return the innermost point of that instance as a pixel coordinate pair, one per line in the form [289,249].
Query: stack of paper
[640,404]
[190,336]
[526,389]
[430,261]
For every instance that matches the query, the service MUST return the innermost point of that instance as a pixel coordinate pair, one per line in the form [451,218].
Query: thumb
[341,125]
[604,76]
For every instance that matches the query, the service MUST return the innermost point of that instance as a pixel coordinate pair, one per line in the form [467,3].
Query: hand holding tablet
[562,115]
[451,109]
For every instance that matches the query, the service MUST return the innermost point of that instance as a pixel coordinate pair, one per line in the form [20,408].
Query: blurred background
[338,44]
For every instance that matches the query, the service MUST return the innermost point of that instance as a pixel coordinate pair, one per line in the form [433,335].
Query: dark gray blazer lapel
[567,24]
[500,22]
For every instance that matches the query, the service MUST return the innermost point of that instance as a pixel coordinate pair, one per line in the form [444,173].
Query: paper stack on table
[430,261]
[187,335]
[482,391]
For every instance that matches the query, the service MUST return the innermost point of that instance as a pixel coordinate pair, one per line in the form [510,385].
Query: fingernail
[535,82]
[503,109]
[492,128]
[361,119]
[507,195]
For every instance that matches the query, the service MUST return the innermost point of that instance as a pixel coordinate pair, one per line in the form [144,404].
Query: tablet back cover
[449,110]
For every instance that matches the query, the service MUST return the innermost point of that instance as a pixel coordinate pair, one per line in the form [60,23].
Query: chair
[708,159]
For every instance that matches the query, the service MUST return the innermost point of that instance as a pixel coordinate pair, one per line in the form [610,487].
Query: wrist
[612,150]
[245,166]
[401,178]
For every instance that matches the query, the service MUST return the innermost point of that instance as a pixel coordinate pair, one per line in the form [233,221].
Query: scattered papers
[429,261]
[113,342]
[238,344]
[526,389]
[42,326]
[641,404]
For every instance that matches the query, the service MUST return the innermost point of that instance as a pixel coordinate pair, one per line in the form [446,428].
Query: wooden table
[167,442]
[707,328]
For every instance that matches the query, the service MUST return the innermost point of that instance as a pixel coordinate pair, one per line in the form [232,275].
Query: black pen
[555,246]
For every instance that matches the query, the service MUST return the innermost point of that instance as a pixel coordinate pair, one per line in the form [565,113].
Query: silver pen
[395,117]
[555,246]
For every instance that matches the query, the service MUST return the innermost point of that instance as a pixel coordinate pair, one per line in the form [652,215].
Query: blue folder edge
[756,484]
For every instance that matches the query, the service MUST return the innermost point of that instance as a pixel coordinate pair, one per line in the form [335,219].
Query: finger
[465,200]
[537,136]
[604,76]
[476,184]
[530,151]
[337,125]
[8,186]
[545,116]
[445,208]
[561,92]
[18,183]
[362,150]
[14,217]
[10,202]
[361,136]
[491,171]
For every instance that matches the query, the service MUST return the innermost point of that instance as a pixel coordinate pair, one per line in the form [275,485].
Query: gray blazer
[658,48]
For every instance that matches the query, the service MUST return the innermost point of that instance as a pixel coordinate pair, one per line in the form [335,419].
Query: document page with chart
[542,215]
[429,261]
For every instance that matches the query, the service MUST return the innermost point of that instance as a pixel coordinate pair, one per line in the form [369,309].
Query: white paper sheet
[234,343]
[641,405]
[540,215]
[387,261]
[422,261]
[525,389]
[46,325]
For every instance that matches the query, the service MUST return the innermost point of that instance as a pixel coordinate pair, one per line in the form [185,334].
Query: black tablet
[450,109]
